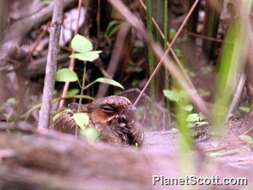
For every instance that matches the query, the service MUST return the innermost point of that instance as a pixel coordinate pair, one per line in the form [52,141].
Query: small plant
[83,50]
[192,119]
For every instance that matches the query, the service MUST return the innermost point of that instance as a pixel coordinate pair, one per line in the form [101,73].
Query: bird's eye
[107,108]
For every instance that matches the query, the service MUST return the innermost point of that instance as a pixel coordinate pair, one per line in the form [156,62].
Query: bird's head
[104,110]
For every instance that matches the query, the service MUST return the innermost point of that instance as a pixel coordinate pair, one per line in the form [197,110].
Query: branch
[51,65]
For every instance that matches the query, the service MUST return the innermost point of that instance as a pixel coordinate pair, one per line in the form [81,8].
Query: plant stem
[83,86]
[151,58]
[165,41]
[165,23]
[81,94]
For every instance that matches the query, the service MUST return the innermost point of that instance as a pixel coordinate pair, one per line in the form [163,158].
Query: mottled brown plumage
[112,116]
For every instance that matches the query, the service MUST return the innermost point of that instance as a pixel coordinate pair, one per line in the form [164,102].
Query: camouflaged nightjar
[112,116]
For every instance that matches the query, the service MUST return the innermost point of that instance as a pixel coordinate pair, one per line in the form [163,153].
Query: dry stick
[53,49]
[167,51]
[116,54]
[135,22]
[72,60]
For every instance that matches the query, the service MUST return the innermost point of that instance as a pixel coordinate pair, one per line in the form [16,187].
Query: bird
[113,117]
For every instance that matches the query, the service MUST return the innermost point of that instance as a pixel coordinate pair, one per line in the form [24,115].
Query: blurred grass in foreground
[233,56]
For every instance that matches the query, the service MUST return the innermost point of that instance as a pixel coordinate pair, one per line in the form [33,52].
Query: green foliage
[193,117]
[229,67]
[109,81]
[86,56]
[188,108]
[173,33]
[83,49]
[173,96]
[178,52]
[195,120]
[178,97]
[73,92]
[186,142]
[81,119]
[112,28]
[66,75]
[81,44]
[151,56]
[106,81]
[90,134]
[245,109]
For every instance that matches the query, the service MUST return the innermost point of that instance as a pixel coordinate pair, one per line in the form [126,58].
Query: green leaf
[81,44]
[171,95]
[73,92]
[87,56]
[193,117]
[112,27]
[188,108]
[90,134]
[81,119]
[109,81]
[172,33]
[178,52]
[244,109]
[66,75]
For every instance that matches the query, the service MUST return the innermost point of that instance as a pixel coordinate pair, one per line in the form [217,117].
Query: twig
[51,64]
